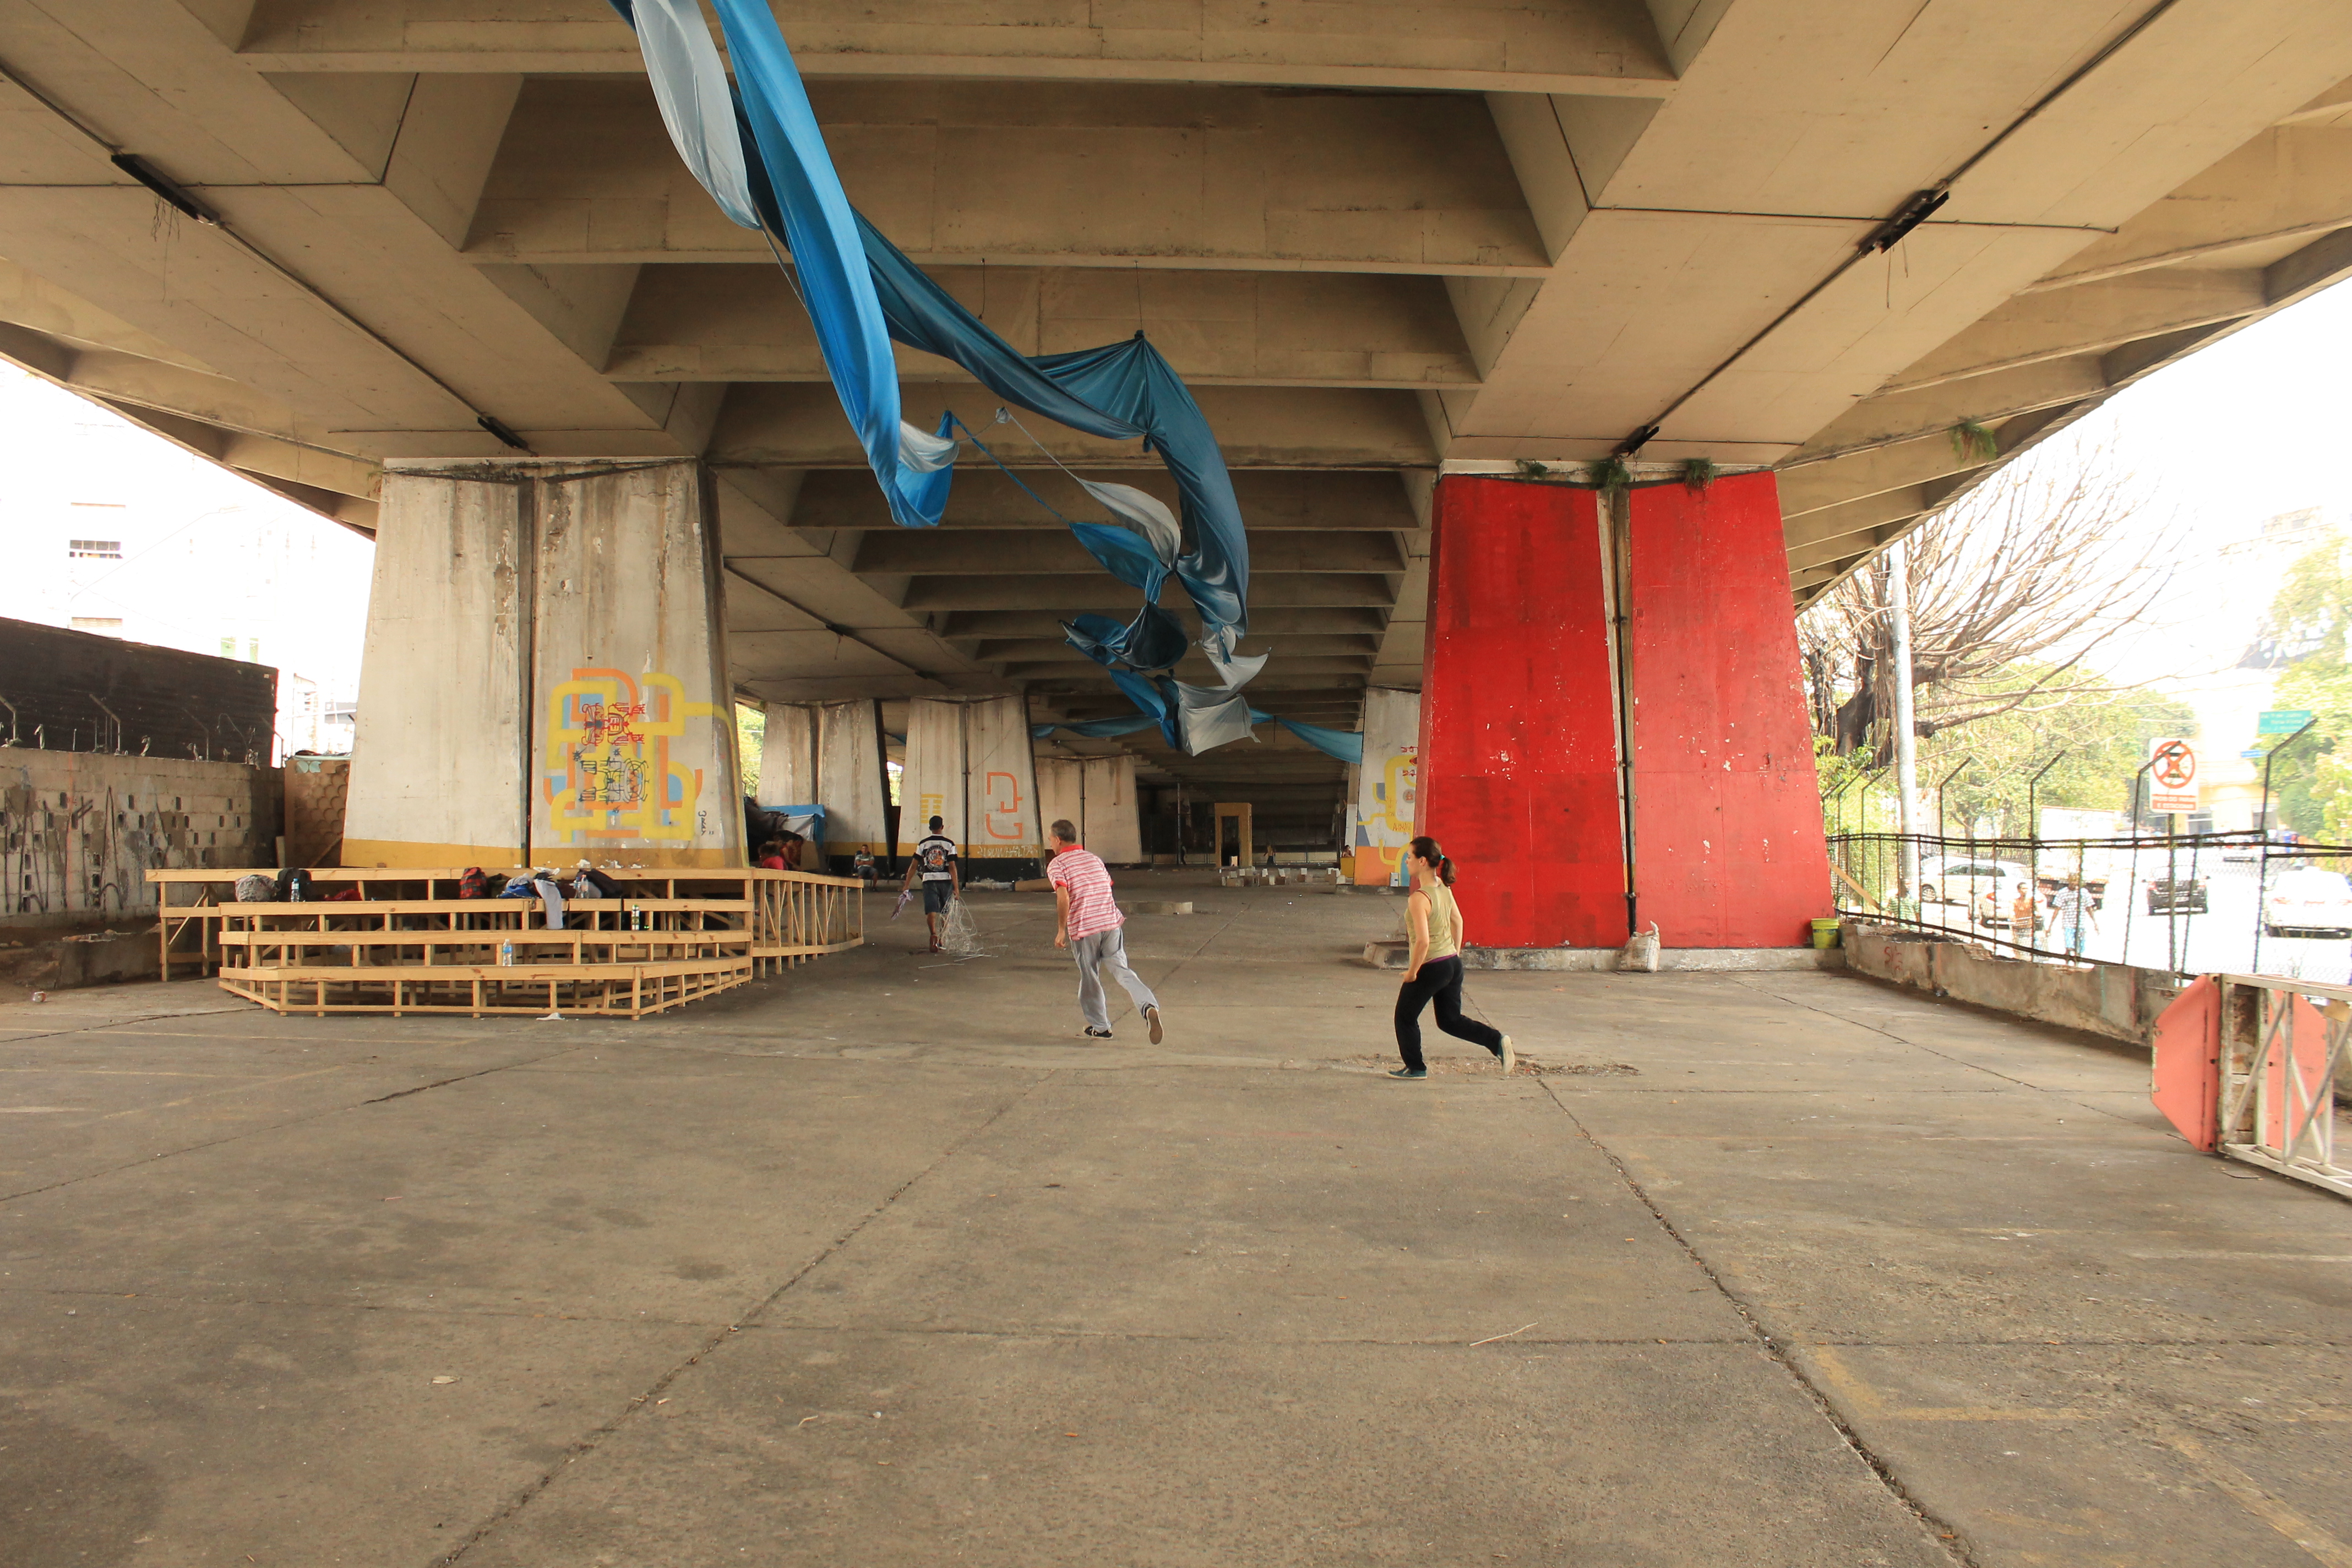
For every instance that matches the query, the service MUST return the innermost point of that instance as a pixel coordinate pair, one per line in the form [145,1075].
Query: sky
[2254,425]
[186,555]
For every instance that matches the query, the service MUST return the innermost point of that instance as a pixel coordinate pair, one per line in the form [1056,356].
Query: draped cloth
[861,292]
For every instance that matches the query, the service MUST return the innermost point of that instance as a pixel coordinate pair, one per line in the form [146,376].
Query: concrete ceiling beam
[1272,620]
[1104,595]
[743,324]
[2088,320]
[1008,551]
[2284,185]
[989,650]
[1988,400]
[1548,46]
[969,173]
[1834,481]
[984,497]
[782,424]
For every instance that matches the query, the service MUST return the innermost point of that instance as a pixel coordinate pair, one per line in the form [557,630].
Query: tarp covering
[849,778]
[933,783]
[788,756]
[1113,824]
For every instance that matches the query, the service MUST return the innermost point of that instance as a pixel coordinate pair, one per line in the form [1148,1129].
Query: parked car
[2308,901]
[2177,895]
[1957,880]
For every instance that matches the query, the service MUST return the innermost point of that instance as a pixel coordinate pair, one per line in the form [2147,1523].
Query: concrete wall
[544,673]
[78,830]
[75,691]
[2110,999]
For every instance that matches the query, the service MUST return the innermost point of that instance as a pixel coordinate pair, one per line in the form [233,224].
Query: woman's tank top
[1444,922]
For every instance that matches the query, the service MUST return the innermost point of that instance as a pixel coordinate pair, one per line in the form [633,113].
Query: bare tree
[2013,588]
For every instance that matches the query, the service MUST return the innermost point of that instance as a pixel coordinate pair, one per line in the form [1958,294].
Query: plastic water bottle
[505,953]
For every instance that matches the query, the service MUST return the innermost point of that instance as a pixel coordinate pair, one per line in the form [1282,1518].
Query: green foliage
[751,735]
[2098,741]
[2311,781]
[1610,474]
[1974,443]
[1698,473]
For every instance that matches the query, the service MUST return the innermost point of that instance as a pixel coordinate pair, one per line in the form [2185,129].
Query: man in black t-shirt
[935,863]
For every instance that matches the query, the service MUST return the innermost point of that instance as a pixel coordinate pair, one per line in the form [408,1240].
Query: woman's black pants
[1440,981]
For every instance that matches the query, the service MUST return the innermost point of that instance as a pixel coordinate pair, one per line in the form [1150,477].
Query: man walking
[935,863]
[1086,920]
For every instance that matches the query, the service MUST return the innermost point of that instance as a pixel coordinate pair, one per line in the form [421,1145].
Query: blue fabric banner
[861,291]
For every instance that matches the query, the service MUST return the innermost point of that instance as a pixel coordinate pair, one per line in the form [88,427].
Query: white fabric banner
[788,757]
[1113,823]
[1062,791]
[1387,796]
[933,784]
[849,778]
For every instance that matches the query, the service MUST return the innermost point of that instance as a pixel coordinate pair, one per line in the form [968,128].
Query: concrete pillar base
[544,678]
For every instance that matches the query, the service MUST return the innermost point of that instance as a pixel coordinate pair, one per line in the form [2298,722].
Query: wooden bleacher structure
[409,944]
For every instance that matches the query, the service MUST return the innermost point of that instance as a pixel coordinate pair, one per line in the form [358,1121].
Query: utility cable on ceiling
[1898,225]
[180,199]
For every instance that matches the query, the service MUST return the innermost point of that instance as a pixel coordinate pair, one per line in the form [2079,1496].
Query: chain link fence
[2244,903]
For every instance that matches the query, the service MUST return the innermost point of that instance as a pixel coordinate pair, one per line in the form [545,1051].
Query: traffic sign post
[2171,776]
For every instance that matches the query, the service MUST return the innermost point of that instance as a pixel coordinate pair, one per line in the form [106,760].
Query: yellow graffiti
[1397,803]
[607,769]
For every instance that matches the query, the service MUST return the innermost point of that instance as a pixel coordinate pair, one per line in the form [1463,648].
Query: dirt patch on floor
[1483,1066]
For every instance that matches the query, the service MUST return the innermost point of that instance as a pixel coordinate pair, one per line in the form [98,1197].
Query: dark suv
[2177,895]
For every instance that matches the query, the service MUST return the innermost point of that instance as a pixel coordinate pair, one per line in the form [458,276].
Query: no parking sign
[2171,775]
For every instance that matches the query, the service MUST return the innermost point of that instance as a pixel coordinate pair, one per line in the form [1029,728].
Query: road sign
[2282,721]
[2171,775]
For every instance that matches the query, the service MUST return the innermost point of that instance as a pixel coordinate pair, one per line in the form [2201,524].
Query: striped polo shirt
[1092,907]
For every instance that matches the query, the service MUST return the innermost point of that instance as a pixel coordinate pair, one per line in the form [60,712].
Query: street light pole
[1907,747]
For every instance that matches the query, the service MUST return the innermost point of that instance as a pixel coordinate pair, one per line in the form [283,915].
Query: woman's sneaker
[1510,1055]
[1409,1072]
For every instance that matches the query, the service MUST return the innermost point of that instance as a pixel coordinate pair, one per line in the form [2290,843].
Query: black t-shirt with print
[935,855]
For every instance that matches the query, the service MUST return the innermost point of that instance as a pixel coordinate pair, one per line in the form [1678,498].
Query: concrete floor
[880,1265]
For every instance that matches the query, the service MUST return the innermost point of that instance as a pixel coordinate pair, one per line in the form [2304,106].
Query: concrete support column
[545,675]
[1533,703]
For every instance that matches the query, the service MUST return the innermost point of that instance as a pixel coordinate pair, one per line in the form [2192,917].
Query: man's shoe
[1152,1016]
[1409,1072]
[1510,1056]
[1095,1034]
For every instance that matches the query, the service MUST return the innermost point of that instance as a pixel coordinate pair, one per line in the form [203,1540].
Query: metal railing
[2187,903]
[2282,1051]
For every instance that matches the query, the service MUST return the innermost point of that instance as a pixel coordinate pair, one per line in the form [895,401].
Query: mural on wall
[609,774]
[1387,802]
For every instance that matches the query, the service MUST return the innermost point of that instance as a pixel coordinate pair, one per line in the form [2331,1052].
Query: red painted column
[1519,729]
[1727,848]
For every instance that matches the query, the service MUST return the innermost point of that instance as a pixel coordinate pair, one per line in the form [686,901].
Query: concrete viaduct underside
[1381,242]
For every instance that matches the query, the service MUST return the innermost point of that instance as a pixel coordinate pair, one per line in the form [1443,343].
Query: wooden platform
[409,945]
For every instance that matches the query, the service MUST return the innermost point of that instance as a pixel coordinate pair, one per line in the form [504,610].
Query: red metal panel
[2185,1079]
[1518,732]
[1727,848]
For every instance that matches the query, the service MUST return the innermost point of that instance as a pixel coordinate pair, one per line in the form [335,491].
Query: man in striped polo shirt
[1086,920]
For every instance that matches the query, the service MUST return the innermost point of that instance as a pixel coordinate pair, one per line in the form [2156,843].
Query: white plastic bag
[1641,954]
[958,935]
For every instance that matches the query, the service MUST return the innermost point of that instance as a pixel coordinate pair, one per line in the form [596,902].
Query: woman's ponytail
[1425,848]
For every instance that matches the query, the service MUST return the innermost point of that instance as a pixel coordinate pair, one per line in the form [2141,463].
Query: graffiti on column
[608,775]
[1002,820]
